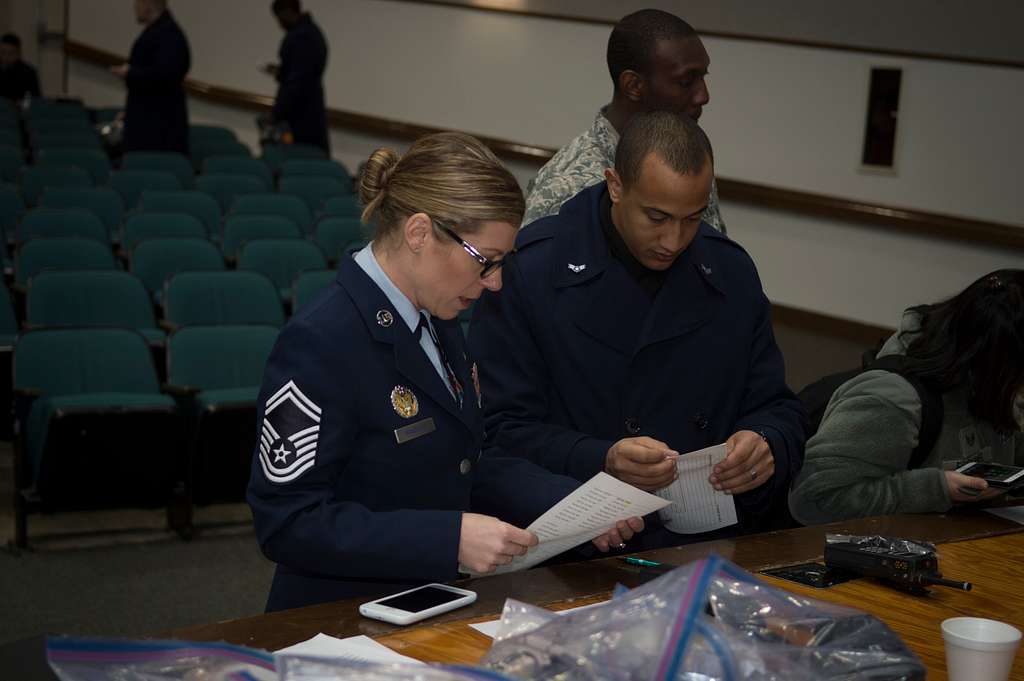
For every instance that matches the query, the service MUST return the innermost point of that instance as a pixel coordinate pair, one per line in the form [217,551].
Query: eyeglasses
[489,266]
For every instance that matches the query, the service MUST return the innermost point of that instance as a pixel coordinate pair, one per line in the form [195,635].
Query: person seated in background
[970,351]
[300,90]
[657,63]
[155,113]
[630,332]
[368,476]
[17,78]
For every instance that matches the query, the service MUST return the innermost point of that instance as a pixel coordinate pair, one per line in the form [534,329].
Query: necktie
[452,380]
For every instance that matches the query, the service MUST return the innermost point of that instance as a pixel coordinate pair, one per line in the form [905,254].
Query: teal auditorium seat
[274,155]
[8,333]
[52,222]
[12,207]
[239,229]
[335,234]
[308,284]
[91,298]
[104,202]
[10,136]
[45,141]
[316,167]
[281,260]
[11,161]
[238,165]
[313,190]
[193,202]
[206,133]
[291,207]
[142,226]
[154,261]
[342,207]
[85,399]
[225,187]
[106,114]
[61,253]
[130,184]
[35,179]
[215,373]
[204,149]
[221,298]
[42,109]
[167,161]
[93,161]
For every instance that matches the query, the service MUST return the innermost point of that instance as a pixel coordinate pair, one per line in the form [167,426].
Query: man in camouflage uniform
[657,62]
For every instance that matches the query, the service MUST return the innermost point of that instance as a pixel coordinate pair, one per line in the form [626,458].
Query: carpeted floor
[134,589]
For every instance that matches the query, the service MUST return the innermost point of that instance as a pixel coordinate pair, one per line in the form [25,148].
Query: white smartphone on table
[417,604]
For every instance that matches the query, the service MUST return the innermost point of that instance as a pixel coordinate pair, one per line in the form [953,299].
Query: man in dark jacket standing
[156,116]
[300,90]
[630,332]
[17,78]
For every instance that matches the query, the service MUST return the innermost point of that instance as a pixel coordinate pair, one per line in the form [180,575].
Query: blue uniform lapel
[410,360]
[688,299]
[609,306]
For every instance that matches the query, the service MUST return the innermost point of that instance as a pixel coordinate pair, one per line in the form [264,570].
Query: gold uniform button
[465,466]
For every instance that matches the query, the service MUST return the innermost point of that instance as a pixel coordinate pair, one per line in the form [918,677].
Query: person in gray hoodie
[969,349]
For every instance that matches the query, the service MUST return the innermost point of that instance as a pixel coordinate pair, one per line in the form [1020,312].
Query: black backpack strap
[932,410]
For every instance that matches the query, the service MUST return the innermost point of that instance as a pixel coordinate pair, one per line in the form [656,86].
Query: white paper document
[490,628]
[359,648]
[1014,513]
[585,514]
[696,505]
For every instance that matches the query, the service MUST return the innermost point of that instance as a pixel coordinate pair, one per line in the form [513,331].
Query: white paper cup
[979,649]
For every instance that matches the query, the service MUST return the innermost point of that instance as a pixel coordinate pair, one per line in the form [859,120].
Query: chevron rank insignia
[576,269]
[288,435]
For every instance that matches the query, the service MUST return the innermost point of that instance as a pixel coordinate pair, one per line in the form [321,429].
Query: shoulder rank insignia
[576,269]
[288,434]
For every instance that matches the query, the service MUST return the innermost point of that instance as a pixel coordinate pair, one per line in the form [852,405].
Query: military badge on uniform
[404,402]
[576,269]
[288,434]
[385,318]
[475,374]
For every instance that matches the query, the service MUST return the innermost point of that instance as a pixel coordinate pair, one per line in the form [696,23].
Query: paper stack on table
[490,628]
[359,648]
[588,512]
[696,505]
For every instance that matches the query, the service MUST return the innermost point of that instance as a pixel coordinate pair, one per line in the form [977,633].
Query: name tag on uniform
[414,430]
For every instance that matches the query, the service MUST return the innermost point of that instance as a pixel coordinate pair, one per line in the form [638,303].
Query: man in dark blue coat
[630,332]
[300,90]
[156,115]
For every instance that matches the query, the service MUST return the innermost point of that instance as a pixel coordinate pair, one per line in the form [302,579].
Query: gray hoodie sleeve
[856,464]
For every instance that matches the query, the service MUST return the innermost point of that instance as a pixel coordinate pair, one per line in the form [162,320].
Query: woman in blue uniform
[368,476]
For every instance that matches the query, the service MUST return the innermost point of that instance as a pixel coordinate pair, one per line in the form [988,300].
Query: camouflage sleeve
[713,214]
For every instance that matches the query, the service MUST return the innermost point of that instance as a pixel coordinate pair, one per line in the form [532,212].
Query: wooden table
[975,546]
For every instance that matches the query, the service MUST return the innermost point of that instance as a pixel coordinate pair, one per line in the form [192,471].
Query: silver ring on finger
[622,545]
[753,474]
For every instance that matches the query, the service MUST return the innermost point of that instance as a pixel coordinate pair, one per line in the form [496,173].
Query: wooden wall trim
[921,223]
[864,334]
[497,8]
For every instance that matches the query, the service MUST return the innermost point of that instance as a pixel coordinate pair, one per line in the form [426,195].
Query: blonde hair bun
[375,179]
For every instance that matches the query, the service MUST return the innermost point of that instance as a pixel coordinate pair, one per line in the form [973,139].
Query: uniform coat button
[632,425]
[700,420]
[465,466]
